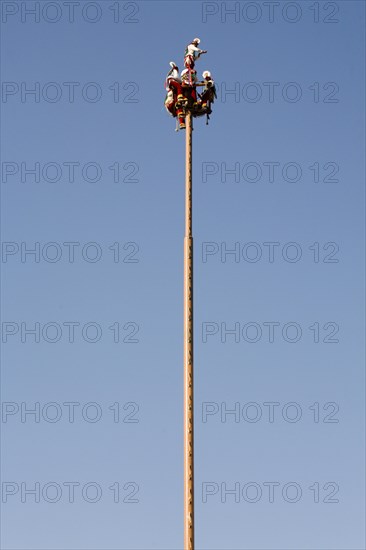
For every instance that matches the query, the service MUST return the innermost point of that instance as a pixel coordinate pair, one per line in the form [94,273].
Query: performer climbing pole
[183,102]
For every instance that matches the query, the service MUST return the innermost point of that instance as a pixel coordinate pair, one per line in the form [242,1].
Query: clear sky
[278,181]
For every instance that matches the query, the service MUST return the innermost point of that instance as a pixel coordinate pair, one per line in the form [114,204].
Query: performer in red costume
[174,99]
[189,80]
[173,82]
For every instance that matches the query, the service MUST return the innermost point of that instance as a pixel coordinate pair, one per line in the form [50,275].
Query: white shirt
[193,50]
[174,75]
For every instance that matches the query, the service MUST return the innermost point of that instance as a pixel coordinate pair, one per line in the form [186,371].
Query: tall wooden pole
[188,351]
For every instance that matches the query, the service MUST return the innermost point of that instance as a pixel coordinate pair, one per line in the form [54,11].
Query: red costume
[189,80]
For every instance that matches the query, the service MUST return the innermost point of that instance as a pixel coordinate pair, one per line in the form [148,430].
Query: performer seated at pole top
[181,90]
[189,83]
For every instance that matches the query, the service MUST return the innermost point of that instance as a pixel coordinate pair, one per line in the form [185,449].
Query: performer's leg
[204,100]
[207,98]
[189,62]
[181,119]
[177,88]
[191,70]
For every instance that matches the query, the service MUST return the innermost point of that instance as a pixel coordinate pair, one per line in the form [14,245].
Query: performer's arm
[195,49]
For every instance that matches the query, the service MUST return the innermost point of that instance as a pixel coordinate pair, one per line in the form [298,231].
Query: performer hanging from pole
[175,100]
[173,82]
[209,93]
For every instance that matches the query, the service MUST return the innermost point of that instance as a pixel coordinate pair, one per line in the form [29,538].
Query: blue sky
[103,212]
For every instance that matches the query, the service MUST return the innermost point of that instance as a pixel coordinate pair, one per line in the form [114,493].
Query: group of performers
[181,88]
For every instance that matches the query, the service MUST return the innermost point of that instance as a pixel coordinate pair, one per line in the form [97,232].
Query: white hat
[172,64]
[206,73]
[196,40]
